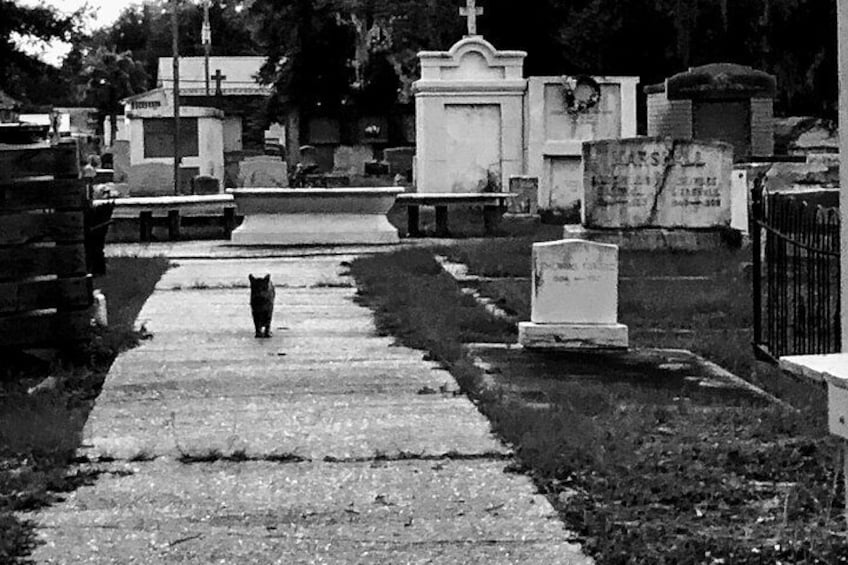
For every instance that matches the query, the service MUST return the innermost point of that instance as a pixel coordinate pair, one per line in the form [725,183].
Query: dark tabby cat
[262,304]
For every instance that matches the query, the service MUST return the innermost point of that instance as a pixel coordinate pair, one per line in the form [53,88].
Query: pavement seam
[288,458]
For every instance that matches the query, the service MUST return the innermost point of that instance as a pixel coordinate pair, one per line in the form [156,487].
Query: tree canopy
[330,54]
[109,78]
[23,75]
[144,30]
[652,39]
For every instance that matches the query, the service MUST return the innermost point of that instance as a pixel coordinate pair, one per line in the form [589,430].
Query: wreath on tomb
[580,93]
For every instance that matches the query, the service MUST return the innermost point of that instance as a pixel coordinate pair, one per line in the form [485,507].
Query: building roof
[721,78]
[240,73]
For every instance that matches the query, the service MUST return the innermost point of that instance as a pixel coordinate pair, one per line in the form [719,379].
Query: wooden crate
[45,290]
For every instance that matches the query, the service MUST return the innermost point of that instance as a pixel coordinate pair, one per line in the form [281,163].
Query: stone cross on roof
[218,78]
[471,11]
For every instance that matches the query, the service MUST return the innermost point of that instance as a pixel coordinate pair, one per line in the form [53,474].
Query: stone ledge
[829,368]
[572,336]
[652,239]
[833,370]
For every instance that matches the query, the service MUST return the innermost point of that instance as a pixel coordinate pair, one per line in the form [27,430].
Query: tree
[23,75]
[110,77]
[308,49]
[145,31]
[331,55]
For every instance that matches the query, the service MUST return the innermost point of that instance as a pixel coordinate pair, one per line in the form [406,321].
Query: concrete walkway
[315,446]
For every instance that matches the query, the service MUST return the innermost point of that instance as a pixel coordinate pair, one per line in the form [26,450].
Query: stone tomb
[469,106]
[150,125]
[657,183]
[575,297]
[314,216]
[723,101]
[555,134]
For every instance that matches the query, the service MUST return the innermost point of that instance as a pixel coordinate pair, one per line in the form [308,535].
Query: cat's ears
[268,277]
[265,278]
[251,278]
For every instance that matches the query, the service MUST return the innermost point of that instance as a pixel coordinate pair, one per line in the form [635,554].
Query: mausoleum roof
[240,75]
[722,80]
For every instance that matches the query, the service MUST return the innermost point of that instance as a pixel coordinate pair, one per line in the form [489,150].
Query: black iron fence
[795,275]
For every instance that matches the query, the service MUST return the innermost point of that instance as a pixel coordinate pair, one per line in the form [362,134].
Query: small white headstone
[575,281]
[739,200]
[575,297]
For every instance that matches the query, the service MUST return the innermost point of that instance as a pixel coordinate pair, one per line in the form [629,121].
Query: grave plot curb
[459,272]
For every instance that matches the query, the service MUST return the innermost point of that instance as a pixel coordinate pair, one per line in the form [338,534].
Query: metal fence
[795,275]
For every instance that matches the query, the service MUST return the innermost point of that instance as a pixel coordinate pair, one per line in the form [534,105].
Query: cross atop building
[218,77]
[471,11]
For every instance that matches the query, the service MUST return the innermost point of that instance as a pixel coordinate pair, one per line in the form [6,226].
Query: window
[159,137]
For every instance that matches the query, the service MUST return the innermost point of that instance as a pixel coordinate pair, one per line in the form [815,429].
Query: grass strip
[40,432]
[641,475]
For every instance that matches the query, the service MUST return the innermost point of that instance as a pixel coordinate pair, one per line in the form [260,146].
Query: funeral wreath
[580,93]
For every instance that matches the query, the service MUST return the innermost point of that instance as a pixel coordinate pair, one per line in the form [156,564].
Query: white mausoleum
[150,123]
[480,122]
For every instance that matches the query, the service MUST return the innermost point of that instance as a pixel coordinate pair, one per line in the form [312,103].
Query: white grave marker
[575,297]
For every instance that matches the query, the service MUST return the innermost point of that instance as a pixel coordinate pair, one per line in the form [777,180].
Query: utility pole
[206,38]
[175,48]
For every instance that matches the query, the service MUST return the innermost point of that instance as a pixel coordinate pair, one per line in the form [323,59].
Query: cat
[261,304]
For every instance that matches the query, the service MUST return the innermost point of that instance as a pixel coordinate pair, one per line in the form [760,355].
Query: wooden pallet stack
[45,288]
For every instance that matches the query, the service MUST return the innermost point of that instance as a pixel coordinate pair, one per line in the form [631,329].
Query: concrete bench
[172,209]
[494,205]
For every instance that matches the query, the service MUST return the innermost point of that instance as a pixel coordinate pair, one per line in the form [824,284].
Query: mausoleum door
[473,145]
[724,120]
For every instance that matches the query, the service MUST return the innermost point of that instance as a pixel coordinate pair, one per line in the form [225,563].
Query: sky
[107,11]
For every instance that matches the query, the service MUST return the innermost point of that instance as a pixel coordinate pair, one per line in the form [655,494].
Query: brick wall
[762,126]
[671,118]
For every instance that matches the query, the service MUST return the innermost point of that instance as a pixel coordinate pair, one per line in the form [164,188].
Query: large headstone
[574,297]
[350,159]
[263,171]
[657,183]
[400,160]
[526,190]
[151,179]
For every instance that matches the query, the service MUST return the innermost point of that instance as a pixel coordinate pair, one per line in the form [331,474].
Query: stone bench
[153,210]
[494,206]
